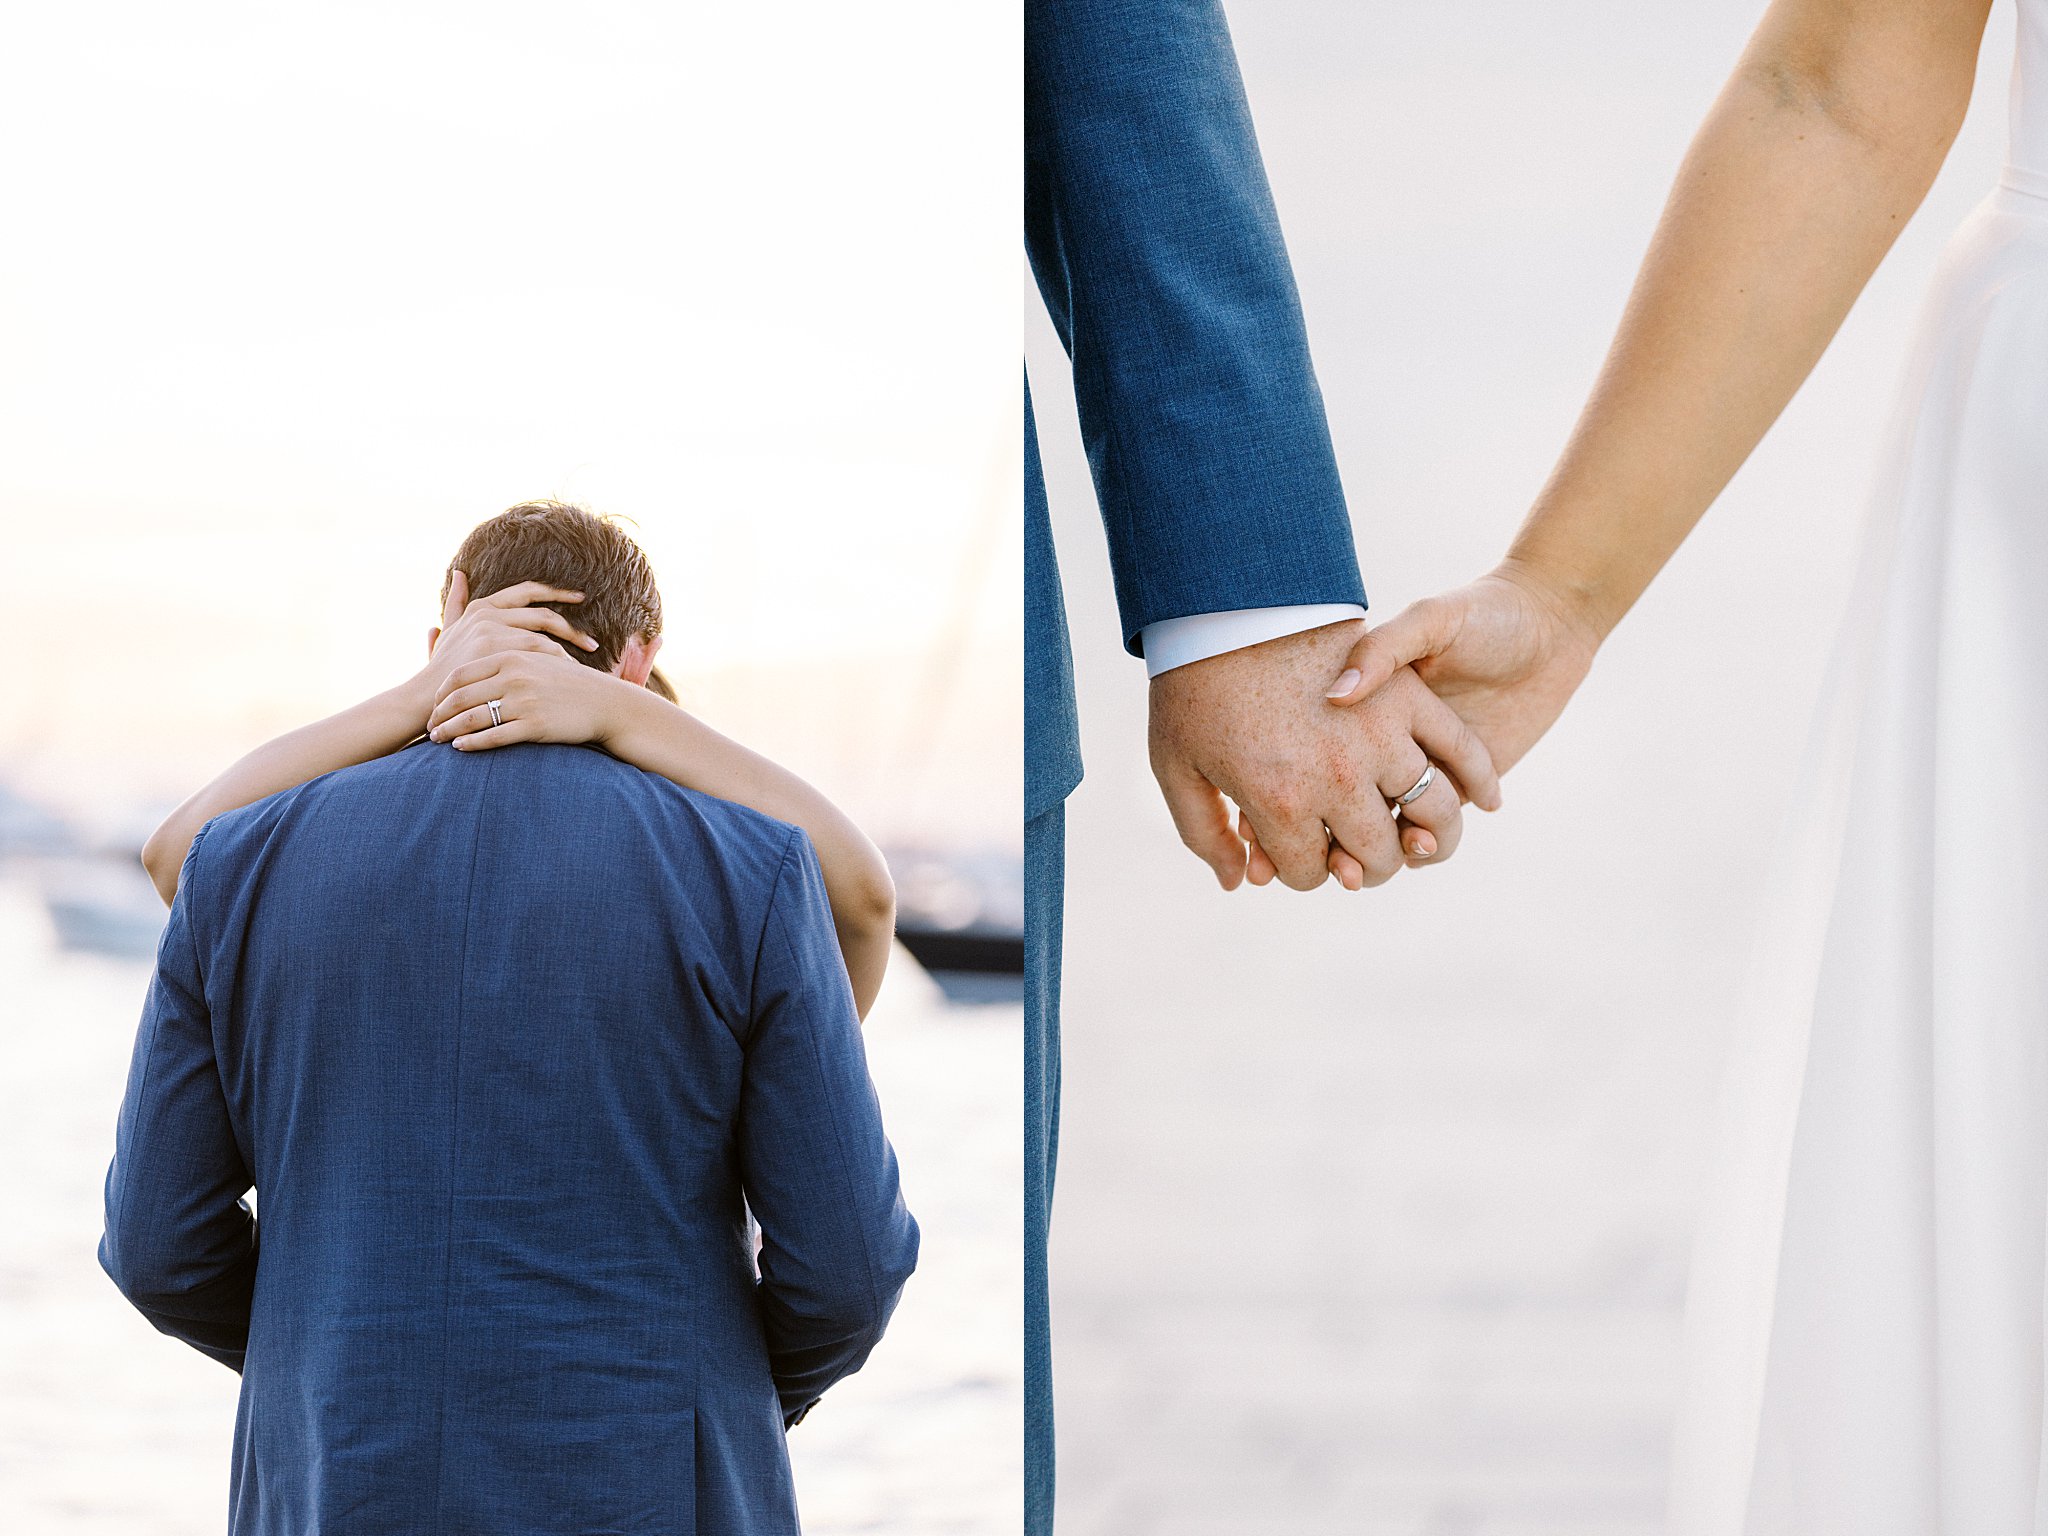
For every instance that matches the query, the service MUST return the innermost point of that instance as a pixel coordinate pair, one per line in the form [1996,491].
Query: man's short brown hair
[567,546]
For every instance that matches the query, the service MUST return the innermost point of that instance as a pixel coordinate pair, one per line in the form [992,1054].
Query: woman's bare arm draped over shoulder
[553,698]
[652,734]
[380,724]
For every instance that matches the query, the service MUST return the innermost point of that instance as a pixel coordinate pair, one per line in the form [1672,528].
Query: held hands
[1313,784]
[1506,652]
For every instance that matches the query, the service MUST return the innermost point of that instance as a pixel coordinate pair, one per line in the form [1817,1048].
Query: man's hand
[1254,725]
[1506,653]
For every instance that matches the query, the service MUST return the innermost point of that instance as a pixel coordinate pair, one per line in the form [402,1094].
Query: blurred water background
[295,298]
[1374,1210]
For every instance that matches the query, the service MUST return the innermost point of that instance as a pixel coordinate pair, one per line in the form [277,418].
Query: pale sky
[293,296]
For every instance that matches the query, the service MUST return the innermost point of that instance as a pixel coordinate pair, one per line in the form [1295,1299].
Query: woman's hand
[1506,653]
[542,695]
[502,622]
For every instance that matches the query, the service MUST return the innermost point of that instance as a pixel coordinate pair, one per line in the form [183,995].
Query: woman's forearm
[1820,147]
[655,735]
[380,724]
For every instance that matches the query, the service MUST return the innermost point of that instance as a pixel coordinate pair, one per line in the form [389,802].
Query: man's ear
[433,638]
[637,660]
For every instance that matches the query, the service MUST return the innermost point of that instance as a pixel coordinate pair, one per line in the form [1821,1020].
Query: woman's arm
[544,698]
[1819,148]
[653,734]
[380,724]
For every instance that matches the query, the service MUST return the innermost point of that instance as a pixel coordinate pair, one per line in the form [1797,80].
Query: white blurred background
[1374,1209]
[294,297]
[290,298]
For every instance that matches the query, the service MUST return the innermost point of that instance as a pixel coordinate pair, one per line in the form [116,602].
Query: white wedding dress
[1865,1333]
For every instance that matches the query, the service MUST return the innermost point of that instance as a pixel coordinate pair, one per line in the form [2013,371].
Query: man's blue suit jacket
[501,1039]
[1153,237]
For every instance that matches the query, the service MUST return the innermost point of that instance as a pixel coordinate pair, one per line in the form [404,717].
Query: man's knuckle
[1282,804]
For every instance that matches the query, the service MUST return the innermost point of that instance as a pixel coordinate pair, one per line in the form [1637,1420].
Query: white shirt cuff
[1175,642]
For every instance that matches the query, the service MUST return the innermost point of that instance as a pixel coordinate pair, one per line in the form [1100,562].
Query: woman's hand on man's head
[505,620]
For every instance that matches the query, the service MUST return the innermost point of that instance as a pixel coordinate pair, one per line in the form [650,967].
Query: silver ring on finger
[497,719]
[1421,788]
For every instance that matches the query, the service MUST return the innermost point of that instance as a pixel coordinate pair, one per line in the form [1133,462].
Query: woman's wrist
[399,714]
[413,700]
[1581,602]
[632,715]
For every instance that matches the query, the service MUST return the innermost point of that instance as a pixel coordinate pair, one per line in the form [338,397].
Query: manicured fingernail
[1421,848]
[1347,681]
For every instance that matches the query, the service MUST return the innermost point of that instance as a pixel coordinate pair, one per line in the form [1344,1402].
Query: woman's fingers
[461,723]
[514,607]
[1432,823]
[1419,630]
[475,696]
[497,736]
[1444,736]
[549,621]
[474,672]
[1259,868]
[524,594]
[1349,872]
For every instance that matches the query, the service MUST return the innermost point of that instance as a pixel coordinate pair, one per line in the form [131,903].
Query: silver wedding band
[1421,786]
[497,719]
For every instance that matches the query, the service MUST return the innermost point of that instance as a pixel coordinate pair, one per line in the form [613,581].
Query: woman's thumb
[1421,629]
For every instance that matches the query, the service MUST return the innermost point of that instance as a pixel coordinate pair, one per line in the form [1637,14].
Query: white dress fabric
[1865,1332]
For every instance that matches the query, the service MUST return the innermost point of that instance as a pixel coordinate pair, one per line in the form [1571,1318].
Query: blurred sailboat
[960,911]
[104,906]
[28,828]
[93,887]
[962,915]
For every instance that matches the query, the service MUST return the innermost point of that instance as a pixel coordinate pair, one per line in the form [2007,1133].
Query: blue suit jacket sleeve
[837,1243]
[1155,243]
[179,1242]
